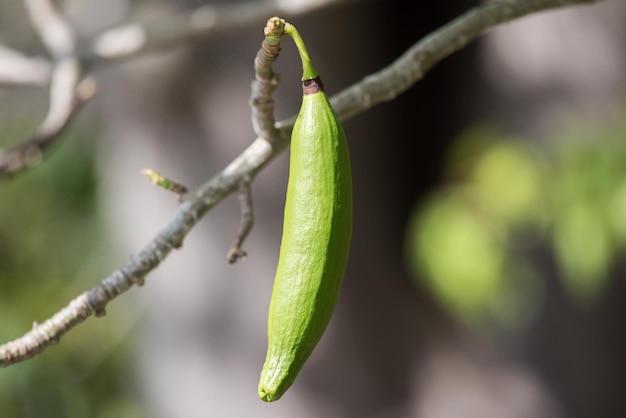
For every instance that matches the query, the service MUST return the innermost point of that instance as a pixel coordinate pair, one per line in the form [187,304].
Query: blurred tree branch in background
[64,76]
[67,90]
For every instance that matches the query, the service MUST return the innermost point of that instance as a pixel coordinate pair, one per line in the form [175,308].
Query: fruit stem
[308,72]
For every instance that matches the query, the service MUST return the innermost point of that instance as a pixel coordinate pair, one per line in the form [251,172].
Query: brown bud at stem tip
[312,85]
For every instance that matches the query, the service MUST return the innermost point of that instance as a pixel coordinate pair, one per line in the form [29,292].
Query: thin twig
[19,69]
[202,23]
[410,67]
[66,94]
[94,301]
[236,252]
[263,122]
[137,38]
[55,33]
[247,165]
[160,180]
[124,41]
[266,81]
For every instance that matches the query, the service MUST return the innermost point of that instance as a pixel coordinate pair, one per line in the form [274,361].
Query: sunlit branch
[379,87]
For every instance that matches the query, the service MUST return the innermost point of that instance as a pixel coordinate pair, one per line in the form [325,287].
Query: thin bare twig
[124,41]
[66,91]
[410,67]
[18,69]
[261,152]
[138,38]
[168,184]
[263,122]
[203,23]
[56,34]
[266,81]
[236,252]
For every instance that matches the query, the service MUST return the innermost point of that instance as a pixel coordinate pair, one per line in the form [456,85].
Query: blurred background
[486,276]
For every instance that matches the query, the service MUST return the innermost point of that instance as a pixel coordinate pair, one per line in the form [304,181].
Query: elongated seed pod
[315,242]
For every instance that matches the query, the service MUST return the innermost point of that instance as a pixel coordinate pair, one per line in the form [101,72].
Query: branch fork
[68,89]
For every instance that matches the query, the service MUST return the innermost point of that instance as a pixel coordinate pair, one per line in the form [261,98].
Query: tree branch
[136,38]
[411,66]
[201,23]
[379,87]
[18,69]
[66,90]
[168,184]
[236,251]
[122,42]
[266,81]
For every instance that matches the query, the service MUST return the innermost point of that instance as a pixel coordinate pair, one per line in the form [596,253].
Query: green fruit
[315,243]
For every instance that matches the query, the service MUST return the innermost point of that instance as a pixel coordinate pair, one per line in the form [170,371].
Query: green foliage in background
[472,241]
[51,247]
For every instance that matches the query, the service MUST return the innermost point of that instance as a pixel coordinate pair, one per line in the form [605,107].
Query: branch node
[33,155]
[86,89]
